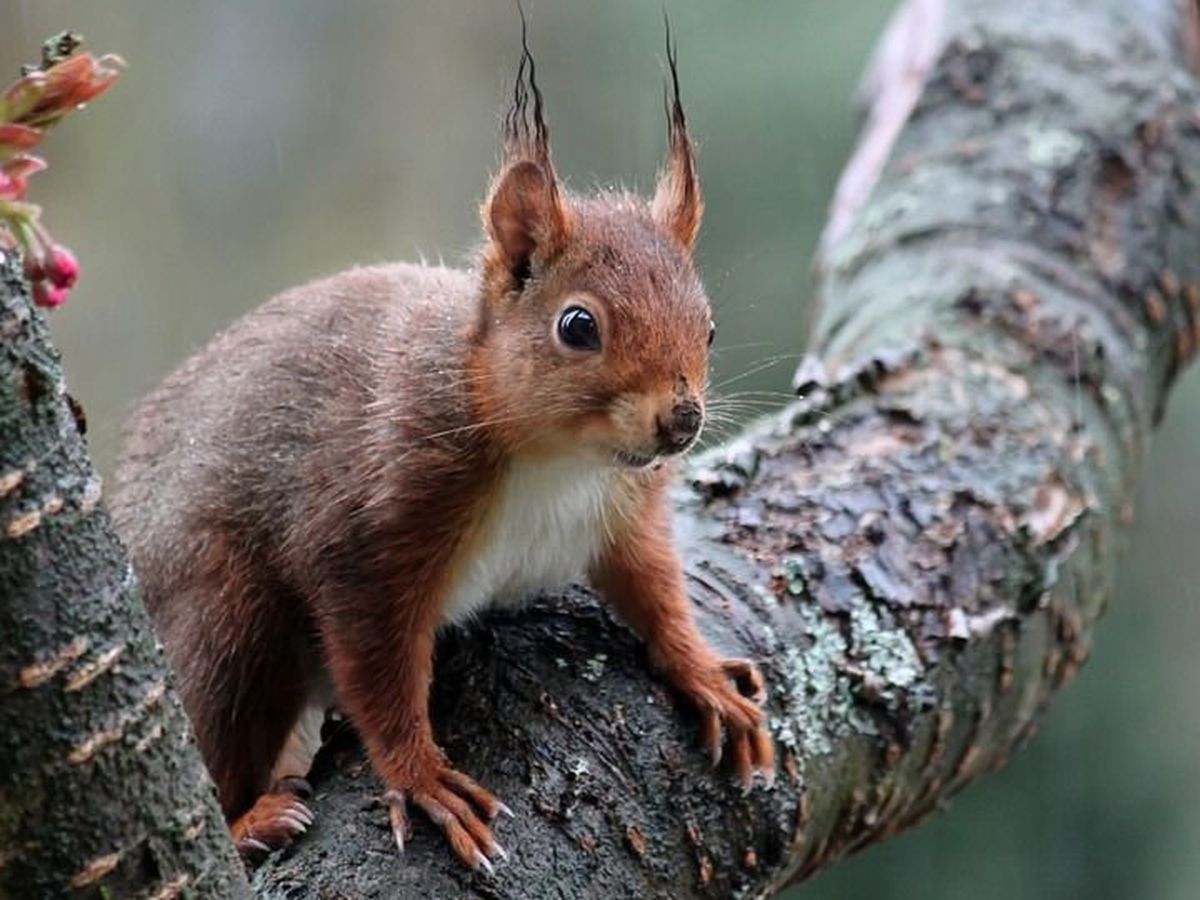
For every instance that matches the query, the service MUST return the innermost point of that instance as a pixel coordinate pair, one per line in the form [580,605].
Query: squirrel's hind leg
[280,816]
[250,676]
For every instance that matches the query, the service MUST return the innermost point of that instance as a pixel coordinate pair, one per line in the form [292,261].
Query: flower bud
[9,188]
[61,267]
[49,295]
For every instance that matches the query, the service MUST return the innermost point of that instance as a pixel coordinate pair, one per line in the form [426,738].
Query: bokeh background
[252,146]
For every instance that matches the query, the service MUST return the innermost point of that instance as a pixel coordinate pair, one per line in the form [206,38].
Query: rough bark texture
[917,550]
[101,792]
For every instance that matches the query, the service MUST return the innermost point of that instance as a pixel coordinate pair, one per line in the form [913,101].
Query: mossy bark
[101,792]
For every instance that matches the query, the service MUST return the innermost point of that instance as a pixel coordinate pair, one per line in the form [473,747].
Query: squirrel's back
[241,437]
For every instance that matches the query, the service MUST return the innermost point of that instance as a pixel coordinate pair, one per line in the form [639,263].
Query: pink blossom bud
[12,187]
[14,175]
[15,137]
[61,267]
[49,296]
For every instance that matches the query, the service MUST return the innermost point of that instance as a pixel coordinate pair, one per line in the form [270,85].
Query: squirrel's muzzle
[677,430]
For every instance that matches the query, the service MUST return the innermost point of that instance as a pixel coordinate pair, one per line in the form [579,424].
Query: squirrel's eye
[578,330]
[712,332]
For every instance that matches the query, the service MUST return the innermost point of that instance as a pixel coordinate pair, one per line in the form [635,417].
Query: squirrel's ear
[678,203]
[524,216]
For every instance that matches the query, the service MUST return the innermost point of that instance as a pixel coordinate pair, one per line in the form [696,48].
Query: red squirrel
[371,457]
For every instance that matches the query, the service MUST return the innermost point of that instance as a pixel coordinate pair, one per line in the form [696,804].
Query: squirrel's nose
[678,430]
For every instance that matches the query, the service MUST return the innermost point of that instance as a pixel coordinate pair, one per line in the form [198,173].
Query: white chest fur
[547,526]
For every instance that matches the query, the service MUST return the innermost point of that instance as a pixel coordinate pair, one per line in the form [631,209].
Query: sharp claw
[766,767]
[293,822]
[482,862]
[396,815]
[254,844]
[499,851]
[712,736]
[503,810]
[743,762]
[302,812]
[764,755]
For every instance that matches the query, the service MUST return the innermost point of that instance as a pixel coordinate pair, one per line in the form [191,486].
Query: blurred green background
[252,146]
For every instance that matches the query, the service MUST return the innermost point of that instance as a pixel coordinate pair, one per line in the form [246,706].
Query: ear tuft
[678,204]
[524,216]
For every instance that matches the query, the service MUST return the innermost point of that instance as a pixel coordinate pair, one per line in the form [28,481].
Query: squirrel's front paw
[728,695]
[447,797]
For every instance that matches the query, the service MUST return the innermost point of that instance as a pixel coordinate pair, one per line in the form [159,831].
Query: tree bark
[102,793]
[917,549]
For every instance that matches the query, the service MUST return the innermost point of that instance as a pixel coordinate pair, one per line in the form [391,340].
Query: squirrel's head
[594,327]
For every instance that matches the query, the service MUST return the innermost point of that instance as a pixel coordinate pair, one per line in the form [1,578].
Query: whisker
[747,345]
[754,370]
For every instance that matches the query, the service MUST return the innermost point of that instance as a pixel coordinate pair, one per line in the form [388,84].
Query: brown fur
[299,497]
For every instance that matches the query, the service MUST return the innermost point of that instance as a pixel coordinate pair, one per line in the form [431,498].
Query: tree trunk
[916,550]
[101,792]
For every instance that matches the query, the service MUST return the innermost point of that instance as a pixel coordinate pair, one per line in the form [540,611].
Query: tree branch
[917,549]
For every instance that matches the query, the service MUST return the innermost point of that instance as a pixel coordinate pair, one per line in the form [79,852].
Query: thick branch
[919,548]
[102,793]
